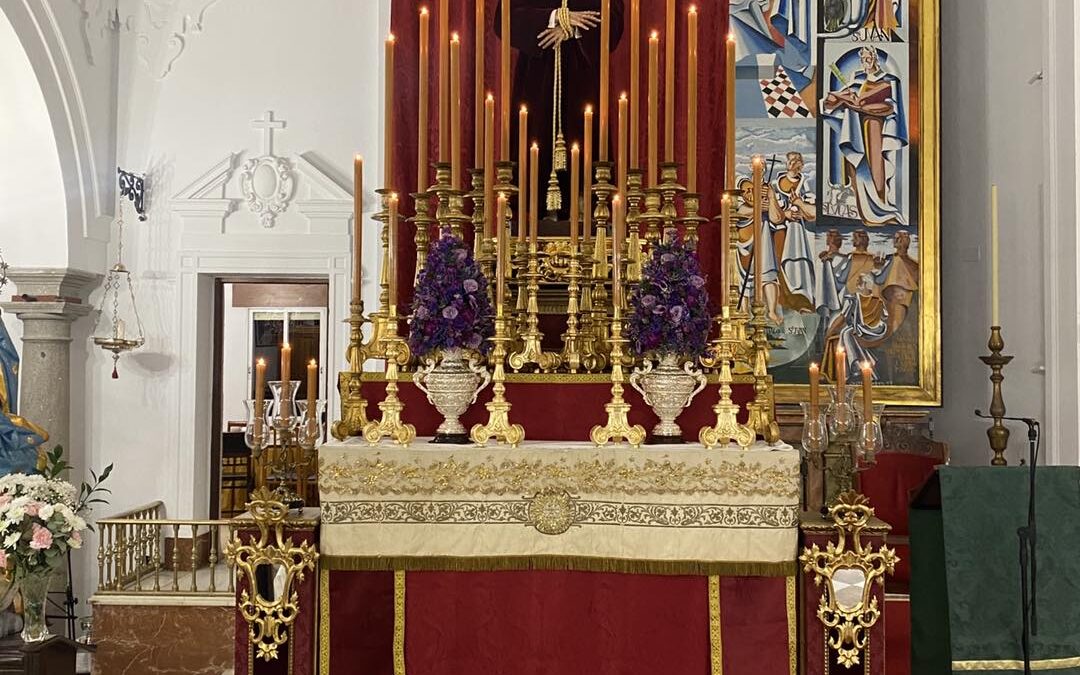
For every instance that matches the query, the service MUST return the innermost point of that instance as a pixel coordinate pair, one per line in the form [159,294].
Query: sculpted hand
[585,20]
[551,37]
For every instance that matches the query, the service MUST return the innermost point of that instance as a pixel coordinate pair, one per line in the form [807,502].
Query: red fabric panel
[362,623]
[890,482]
[898,637]
[753,619]
[902,577]
[555,411]
[713,28]
[570,623]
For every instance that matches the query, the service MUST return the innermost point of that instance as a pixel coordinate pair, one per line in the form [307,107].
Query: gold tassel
[559,160]
[554,194]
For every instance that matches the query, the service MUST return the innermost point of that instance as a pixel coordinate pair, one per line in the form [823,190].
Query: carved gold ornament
[849,570]
[269,619]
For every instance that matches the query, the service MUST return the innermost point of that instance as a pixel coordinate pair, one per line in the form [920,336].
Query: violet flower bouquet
[669,310]
[451,308]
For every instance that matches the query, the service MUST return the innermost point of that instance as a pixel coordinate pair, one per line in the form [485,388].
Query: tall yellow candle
[605,75]
[691,98]
[455,111]
[534,191]
[489,165]
[725,245]
[868,391]
[358,229]
[504,83]
[422,131]
[654,103]
[995,297]
[392,267]
[841,374]
[815,390]
[286,381]
[480,33]
[669,82]
[758,165]
[575,195]
[444,80]
[523,172]
[617,236]
[586,212]
[729,106]
[500,256]
[621,141]
[635,82]
[312,387]
[388,115]
[260,386]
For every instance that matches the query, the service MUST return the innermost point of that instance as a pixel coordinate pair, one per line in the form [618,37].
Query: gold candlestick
[519,317]
[692,220]
[727,427]
[353,406]
[651,216]
[391,426]
[669,192]
[761,409]
[635,199]
[571,354]
[531,350]
[450,211]
[591,361]
[595,354]
[998,433]
[422,221]
[618,427]
[374,349]
[498,426]
[484,249]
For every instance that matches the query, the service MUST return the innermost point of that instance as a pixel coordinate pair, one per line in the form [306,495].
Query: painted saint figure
[20,439]
[868,132]
[791,204]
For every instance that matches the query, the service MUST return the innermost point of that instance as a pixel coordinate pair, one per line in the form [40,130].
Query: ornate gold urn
[668,389]
[452,381]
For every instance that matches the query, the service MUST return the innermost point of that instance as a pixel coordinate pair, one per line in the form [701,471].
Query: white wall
[234,359]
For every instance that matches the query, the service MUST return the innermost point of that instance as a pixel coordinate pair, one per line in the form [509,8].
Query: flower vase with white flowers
[41,519]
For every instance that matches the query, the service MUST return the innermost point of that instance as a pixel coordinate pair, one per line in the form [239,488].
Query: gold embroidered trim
[558,563]
[324,621]
[792,628]
[399,622]
[716,638]
[553,516]
[378,476]
[1016,664]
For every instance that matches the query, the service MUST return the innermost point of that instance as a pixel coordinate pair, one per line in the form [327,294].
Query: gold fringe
[716,638]
[558,563]
[792,627]
[324,621]
[1016,664]
[399,622]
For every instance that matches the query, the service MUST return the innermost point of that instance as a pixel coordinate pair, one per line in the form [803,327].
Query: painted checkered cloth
[782,99]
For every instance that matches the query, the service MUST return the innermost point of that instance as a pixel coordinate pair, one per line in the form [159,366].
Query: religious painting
[840,98]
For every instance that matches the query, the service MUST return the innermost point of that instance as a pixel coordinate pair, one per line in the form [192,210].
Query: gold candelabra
[998,433]
[498,426]
[635,198]
[483,249]
[422,221]
[652,217]
[391,425]
[353,406]
[618,427]
[531,350]
[761,408]
[727,427]
[571,353]
[692,220]
[591,360]
[669,191]
[450,212]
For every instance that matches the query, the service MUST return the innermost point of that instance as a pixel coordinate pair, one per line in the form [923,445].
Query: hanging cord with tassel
[558,142]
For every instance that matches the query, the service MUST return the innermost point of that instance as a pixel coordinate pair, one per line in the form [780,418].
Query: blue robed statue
[20,439]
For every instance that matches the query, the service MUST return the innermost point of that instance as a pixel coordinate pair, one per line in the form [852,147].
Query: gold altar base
[727,428]
[391,425]
[498,426]
[998,433]
[353,406]
[618,427]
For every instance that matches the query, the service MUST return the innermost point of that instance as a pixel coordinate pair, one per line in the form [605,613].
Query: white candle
[995,297]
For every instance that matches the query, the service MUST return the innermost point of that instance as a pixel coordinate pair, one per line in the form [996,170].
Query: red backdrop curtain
[713,28]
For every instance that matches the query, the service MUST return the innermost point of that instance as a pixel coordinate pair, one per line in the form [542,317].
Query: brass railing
[141,552]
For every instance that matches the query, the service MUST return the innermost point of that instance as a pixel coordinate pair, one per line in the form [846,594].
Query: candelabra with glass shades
[284,434]
[840,440]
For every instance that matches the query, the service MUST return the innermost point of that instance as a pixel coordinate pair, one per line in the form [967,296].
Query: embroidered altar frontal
[656,510]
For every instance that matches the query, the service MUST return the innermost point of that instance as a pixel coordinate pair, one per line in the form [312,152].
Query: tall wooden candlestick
[388,114]
[444,80]
[758,166]
[653,126]
[358,229]
[669,82]
[455,112]
[691,99]
[605,75]
[575,194]
[480,33]
[422,131]
[523,172]
[586,204]
[504,83]
[534,191]
[729,105]
[635,83]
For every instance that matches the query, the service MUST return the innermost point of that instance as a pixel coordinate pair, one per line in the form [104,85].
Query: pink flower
[3,560]
[76,539]
[41,539]
[5,500]
[32,508]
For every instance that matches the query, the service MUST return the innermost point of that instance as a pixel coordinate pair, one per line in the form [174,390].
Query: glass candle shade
[815,432]
[257,436]
[843,417]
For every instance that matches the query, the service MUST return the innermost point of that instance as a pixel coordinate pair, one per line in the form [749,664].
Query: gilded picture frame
[842,98]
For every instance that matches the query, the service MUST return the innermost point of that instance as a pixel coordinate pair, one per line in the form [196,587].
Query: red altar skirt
[556,623]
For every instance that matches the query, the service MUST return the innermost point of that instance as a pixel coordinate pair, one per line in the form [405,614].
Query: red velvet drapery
[713,28]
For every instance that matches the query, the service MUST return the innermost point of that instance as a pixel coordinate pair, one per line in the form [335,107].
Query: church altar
[558,557]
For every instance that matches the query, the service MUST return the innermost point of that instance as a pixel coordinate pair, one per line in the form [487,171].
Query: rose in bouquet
[669,310]
[451,308]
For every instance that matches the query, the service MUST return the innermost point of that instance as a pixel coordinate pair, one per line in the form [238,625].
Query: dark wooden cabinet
[55,656]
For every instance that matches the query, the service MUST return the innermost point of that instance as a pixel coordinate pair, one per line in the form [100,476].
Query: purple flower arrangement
[451,308]
[669,310]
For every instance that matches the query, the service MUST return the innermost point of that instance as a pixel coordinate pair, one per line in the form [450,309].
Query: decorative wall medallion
[551,511]
[267,185]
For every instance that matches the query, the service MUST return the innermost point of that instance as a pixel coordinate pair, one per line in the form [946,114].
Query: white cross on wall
[267,125]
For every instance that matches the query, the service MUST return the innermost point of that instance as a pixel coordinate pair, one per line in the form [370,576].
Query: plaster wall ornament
[267,181]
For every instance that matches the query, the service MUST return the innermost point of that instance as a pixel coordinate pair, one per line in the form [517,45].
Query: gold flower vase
[668,389]
[452,381]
